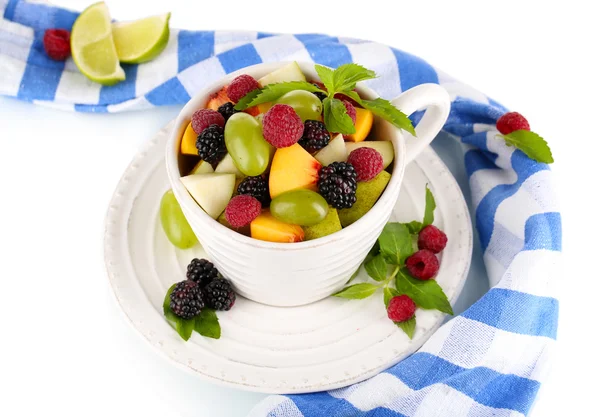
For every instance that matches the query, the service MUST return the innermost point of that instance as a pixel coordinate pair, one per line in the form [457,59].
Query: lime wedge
[93,48]
[141,40]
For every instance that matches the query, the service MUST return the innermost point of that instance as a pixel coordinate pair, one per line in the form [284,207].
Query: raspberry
[342,97]
[186,299]
[240,86]
[509,122]
[350,110]
[423,264]
[432,238]
[201,271]
[203,118]
[367,162]
[282,127]
[227,110]
[257,187]
[337,184]
[211,144]
[56,44]
[219,295]
[401,308]
[242,209]
[315,136]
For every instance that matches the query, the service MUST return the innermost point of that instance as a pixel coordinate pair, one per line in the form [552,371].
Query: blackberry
[315,136]
[186,300]
[322,96]
[201,271]
[211,144]
[227,110]
[257,187]
[337,184]
[219,295]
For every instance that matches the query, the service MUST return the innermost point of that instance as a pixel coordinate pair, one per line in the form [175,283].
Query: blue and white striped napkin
[488,361]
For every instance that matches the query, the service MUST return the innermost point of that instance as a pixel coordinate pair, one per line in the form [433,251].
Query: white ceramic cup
[290,274]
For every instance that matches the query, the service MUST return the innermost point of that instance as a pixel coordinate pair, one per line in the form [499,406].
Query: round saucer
[328,344]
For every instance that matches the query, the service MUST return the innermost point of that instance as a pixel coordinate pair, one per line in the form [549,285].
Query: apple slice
[290,72]
[335,151]
[202,167]
[293,168]
[227,166]
[384,147]
[212,192]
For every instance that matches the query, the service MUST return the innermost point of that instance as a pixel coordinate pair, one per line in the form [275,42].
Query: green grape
[246,144]
[306,104]
[174,223]
[301,207]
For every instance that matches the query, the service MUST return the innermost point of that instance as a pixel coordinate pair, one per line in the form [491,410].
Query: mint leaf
[326,76]
[389,112]
[357,291]
[207,324]
[414,227]
[426,294]
[182,326]
[408,326]
[167,300]
[532,145]
[395,243]
[377,268]
[336,118]
[429,207]
[388,294]
[272,92]
[346,76]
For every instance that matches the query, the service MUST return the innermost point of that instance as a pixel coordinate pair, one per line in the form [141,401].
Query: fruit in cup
[363,124]
[266,227]
[305,104]
[301,207]
[330,224]
[212,192]
[335,151]
[246,145]
[228,166]
[293,168]
[202,167]
[290,72]
[188,141]
[384,147]
[217,99]
[367,194]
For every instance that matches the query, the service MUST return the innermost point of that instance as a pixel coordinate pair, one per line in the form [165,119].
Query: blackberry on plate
[257,187]
[337,184]
[186,300]
[227,110]
[211,144]
[219,295]
[201,271]
[315,136]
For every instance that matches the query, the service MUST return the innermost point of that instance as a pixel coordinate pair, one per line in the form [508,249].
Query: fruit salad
[286,159]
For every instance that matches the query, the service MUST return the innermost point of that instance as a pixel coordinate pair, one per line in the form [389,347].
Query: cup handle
[436,101]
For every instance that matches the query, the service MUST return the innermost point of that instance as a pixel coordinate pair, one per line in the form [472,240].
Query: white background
[58,171]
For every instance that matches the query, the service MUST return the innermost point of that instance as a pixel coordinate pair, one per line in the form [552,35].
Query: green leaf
[167,300]
[426,294]
[326,76]
[414,227]
[357,291]
[377,268]
[182,326]
[389,112]
[336,118]
[346,76]
[388,294]
[272,92]
[408,326]
[395,243]
[429,207]
[207,324]
[532,144]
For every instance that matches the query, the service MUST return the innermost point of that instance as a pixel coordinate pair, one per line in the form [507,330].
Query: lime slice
[141,40]
[93,48]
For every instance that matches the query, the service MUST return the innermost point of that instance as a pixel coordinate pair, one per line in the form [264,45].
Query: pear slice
[367,194]
[335,151]
[227,166]
[290,72]
[212,192]
[330,224]
[202,167]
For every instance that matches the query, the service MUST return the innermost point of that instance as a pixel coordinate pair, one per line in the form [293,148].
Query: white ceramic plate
[324,345]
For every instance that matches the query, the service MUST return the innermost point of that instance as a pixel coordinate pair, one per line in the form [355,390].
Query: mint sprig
[272,92]
[395,244]
[532,145]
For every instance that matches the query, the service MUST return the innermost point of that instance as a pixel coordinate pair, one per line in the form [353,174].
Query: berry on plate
[203,118]
[367,162]
[242,209]
[432,238]
[219,295]
[240,86]
[509,122]
[186,300]
[423,264]
[282,127]
[401,308]
[56,43]
[201,271]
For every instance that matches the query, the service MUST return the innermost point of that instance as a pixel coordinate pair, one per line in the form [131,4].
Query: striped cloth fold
[489,360]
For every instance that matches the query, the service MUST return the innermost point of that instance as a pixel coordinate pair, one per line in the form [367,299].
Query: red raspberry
[319,84]
[240,86]
[203,118]
[509,122]
[242,209]
[342,97]
[433,239]
[401,308]
[423,264]
[56,44]
[282,127]
[350,110]
[367,163]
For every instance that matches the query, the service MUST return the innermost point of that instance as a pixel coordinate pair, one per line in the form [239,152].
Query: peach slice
[293,168]
[364,122]
[217,99]
[266,227]
[188,141]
